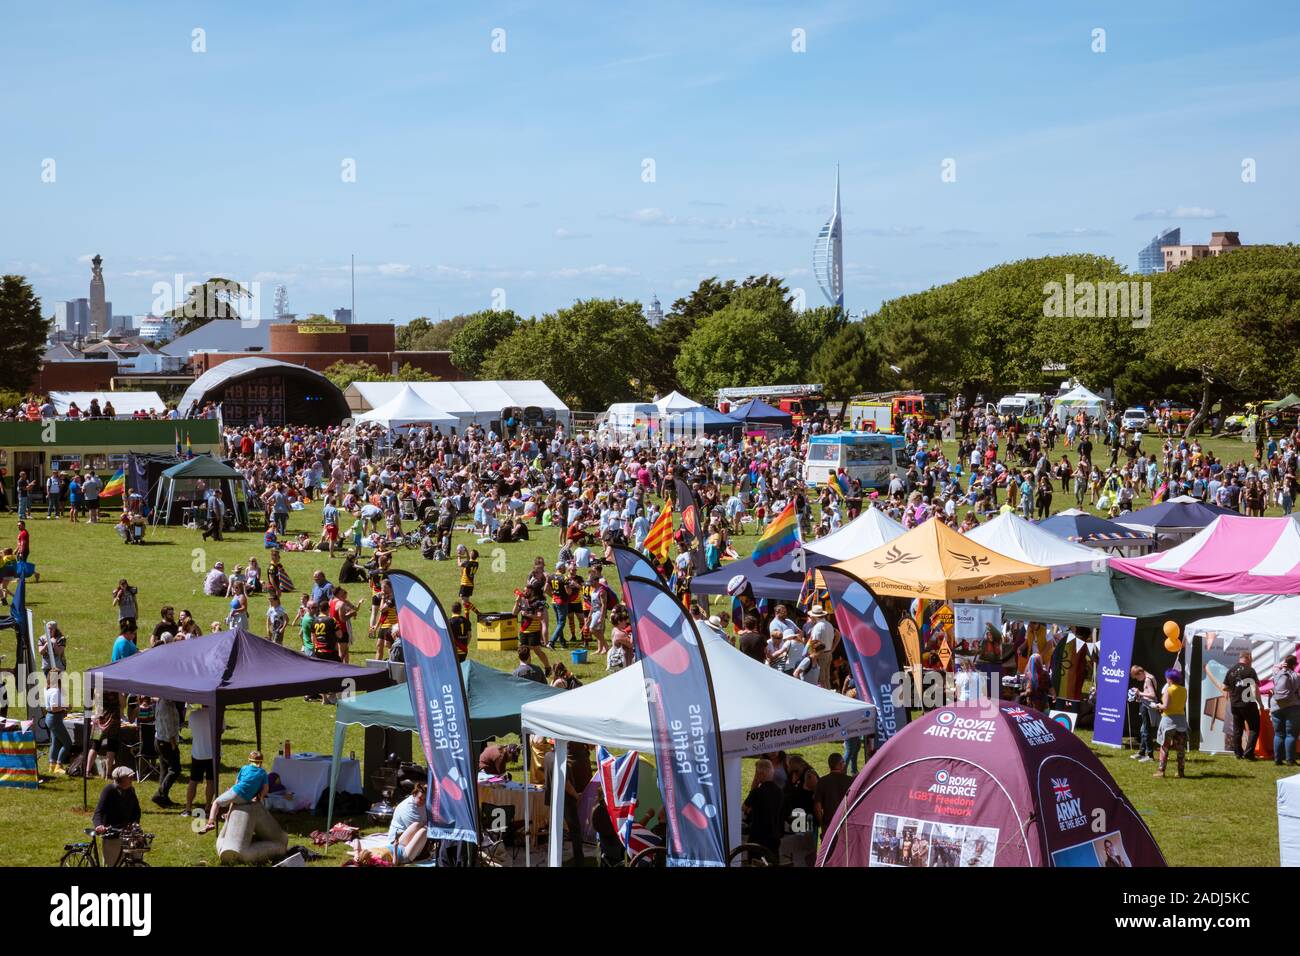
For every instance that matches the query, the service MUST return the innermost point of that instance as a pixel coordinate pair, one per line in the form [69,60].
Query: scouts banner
[1114,657]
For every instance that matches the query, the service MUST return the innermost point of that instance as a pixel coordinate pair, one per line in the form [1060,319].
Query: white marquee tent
[760,710]
[1075,400]
[478,403]
[124,403]
[406,409]
[1017,538]
[864,533]
[675,402]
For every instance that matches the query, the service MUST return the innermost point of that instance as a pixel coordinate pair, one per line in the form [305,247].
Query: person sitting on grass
[250,786]
[409,831]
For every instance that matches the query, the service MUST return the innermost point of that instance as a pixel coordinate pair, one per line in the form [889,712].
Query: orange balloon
[1173,645]
[1172,630]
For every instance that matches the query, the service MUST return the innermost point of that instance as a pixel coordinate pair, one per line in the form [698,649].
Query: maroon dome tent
[971,786]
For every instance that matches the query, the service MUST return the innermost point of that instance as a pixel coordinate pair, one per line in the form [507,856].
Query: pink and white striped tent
[1231,556]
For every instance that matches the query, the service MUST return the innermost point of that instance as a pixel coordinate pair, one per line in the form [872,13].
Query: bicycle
[135,843]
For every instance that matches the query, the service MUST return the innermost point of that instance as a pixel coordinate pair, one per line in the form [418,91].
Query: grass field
[1222,815]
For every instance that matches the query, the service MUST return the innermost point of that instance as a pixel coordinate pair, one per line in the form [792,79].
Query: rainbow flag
[116,485]
[189,447]
[780,537]
[177,435]
[658,541]
[18,759]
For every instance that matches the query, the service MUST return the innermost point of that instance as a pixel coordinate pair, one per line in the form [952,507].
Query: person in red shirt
[342,611]
[24,546]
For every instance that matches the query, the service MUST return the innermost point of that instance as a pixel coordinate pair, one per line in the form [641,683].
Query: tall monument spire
[828,253]
[99,318]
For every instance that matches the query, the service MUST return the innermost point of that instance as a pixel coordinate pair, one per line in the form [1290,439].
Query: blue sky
[522,170]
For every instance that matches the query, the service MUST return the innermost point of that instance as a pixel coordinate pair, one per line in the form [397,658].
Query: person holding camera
[124,599]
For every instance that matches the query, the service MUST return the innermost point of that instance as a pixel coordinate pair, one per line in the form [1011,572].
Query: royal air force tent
[1017,538]
[407,409]
[759,709]
[495,699]
[471,403]
[758,412]
[1078,399]
[1081,600]
[1249,561]
[976,787]
[781,582]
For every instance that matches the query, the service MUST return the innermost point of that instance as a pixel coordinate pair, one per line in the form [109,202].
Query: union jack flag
[1016,712]
[618,786]
[1061,787]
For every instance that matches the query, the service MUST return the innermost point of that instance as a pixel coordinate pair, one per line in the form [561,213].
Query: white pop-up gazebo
[675,402]
[407,409]
[864,533]
[760,711]
[1075,400]
[1017,538]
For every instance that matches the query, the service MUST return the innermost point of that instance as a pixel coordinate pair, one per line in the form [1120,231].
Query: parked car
[1135,419]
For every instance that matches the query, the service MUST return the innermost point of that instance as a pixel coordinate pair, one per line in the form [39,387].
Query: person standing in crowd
[56,710]
[167,738]
[762,808]
[90,489]
[1243,694]
[1284,708]
[1147,696]
[202,768]
[1173,720]
[53,496]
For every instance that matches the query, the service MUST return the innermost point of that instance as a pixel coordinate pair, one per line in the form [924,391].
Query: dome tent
[972,785]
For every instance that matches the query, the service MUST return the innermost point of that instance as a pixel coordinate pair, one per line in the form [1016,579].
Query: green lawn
[1223,814]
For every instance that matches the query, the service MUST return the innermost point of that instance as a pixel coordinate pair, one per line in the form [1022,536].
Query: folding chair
[496,824]
[147,764]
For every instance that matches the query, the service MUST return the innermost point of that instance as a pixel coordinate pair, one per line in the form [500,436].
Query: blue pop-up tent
[758,412]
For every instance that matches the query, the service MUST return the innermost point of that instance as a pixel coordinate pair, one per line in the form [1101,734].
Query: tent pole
[559,774]
[528,830]
[85,767]
[257,722]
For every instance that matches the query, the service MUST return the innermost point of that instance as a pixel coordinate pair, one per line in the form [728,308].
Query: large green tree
[733,347]
[1232,323]
[425,335]
[344,374]
[850,362]
[23,331]
[591,354]
[478,335]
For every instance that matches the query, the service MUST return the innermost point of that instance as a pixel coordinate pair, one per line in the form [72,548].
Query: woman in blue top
[250,785]
[409,830]
[74,499]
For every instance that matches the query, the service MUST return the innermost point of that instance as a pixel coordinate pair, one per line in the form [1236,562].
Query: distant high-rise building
[343,316]
[655,313]
[1152,258]
[72,316]
[99,314]
[828,253]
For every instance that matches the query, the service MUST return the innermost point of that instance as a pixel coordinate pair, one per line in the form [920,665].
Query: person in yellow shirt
[1173,720]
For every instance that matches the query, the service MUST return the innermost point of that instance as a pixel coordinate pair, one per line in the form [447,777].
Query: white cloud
[564,234]
[391,269]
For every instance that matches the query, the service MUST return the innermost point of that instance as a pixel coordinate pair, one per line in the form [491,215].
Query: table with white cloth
[512,794]
[307,776]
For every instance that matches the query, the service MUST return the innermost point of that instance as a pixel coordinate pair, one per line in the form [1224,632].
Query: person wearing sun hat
[742,600]
[823,632]
[251,784]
